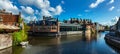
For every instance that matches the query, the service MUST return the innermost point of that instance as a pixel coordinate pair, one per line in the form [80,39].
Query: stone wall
[5,41]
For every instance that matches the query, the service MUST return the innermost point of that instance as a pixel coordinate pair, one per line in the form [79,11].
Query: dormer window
[1,19]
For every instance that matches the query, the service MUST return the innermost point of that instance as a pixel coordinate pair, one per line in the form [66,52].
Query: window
[1,19]
[54,27]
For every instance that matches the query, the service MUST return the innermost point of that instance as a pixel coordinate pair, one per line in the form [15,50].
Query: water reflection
[71,44]
[88,37]
[44,41]
[17,50]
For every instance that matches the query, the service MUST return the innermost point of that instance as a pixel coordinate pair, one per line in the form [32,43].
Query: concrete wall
[5,41]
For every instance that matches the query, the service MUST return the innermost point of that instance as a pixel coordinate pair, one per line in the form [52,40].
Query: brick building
[9,18]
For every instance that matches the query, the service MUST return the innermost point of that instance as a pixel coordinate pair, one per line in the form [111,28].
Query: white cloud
[79,15]
[44,6]
[28,13]
[110,9]
[87,10]
[114,20]
[45,12]
[62,2]
[27,10]
[8,6]
[93,5]
[59,10]
[111,1]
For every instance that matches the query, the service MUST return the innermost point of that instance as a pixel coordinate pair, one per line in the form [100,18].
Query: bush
[19,37]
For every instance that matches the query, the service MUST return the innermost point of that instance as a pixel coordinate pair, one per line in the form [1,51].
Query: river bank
[113,40]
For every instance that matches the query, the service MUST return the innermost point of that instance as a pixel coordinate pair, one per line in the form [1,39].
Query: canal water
[71,44]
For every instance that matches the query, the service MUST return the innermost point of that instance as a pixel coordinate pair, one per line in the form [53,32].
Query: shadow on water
[113,47]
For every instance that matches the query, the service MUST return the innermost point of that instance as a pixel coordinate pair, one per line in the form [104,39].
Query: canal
[72,44]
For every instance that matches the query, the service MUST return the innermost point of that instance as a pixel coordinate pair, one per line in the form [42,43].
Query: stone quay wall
[5,41]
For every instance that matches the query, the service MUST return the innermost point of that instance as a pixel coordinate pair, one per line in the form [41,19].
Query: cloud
[44,6]
[111,1]
[8,6]
[114,20]
[59,10]
[93,5]
[27,10]
[110,9]
[87,10]
[41,8]
[62,2]
[79,15]
[29,18]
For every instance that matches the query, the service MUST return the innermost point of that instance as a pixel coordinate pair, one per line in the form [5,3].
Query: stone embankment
[113,40]
[5,41]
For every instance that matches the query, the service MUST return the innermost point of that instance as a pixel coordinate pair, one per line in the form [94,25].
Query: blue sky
[101,11]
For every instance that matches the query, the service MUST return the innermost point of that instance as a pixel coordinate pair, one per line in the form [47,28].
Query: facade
[113,27]
[118,25]
[99,27]
[48,24]
[118,28]
[78,21]
[9,22]
[70,27]
[8,18]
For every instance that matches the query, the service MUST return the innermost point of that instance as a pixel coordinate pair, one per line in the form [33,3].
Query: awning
[2,26]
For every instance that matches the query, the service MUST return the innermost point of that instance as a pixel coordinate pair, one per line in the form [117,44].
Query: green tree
[22,34]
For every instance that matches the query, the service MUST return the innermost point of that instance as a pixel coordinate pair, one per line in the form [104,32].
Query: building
[9,22]
[49,24]
[70,27]
[78,21]
[9,18]
[118,28]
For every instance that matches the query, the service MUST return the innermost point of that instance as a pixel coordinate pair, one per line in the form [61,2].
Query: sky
[104,12]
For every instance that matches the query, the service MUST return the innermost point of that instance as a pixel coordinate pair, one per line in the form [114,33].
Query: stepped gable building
[9,18]
[49,24]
